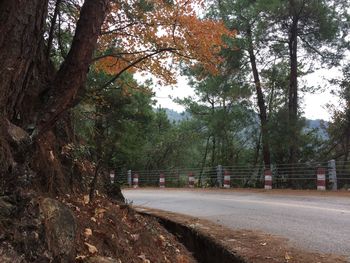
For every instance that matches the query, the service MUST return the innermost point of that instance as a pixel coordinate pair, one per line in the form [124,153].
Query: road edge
[227,245]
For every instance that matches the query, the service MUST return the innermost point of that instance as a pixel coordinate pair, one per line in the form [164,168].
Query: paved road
[317,223]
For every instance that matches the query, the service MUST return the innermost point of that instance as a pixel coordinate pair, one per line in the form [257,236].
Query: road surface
[316,223]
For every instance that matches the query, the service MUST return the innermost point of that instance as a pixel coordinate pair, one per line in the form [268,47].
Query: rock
[114,192]
[6,208]
[99,259]
[16,134]
[60,229]
[9,255]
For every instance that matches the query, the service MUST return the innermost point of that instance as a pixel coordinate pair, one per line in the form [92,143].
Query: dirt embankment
[71,229]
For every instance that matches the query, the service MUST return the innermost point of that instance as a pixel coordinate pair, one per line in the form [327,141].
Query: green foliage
[120,126]
[339,127]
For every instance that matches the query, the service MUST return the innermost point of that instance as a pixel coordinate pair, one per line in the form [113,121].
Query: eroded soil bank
[71,229]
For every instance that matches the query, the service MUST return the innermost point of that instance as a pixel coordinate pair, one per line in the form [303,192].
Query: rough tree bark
[21,43]
[293,89]
[32,94]
[71,76]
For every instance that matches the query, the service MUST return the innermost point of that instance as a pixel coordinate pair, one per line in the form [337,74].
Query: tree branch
[132,64]
[71,76]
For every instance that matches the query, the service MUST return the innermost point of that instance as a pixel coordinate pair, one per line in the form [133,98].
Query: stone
[60,229]
[9,255]
[16,134]
[6,207]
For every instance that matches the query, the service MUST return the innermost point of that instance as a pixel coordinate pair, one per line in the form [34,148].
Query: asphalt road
[316,223]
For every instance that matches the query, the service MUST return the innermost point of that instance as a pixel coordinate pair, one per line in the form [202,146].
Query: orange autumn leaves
[155,35]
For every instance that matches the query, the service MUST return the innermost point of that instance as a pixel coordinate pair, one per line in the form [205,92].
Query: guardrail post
[178,178]
[129,178]
[268,179]
[332,173]
[227,179]
[135,181]
[190,180]
[112,176]
[219,175]
[161,180]
[321,179]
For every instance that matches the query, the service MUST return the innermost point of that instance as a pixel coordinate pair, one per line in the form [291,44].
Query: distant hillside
[315,123]
[318,124]
[176,116]
[311,124]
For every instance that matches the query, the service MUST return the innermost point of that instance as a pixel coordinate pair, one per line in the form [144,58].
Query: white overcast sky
[312,104]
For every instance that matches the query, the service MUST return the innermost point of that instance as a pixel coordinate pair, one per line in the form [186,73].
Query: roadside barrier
[191,180]
[135,180]
[161,181]
[321,179]
[112,176]
[282,176]
[268,179]
[227,179]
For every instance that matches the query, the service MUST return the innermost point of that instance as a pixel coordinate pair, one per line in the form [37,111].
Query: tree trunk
[21,43]
[24,73]
[52,27]
[293,91]
[261,103]
[71,76]
[204,161]
[32,94]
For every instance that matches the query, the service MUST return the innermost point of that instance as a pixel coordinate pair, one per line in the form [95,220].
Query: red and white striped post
[191,180]
[135,180]
[321,179]
[268,179]
[227,179]
[161,181]
[112,176]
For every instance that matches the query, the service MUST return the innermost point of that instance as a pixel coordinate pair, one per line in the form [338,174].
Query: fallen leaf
[87,232]
[92,249]
[86,199]
[99,212]
[181,259]
[80,257]
[144,259]
[135,237]
[287,257]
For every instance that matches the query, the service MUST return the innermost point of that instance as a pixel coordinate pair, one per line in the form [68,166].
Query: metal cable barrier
[331,175]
